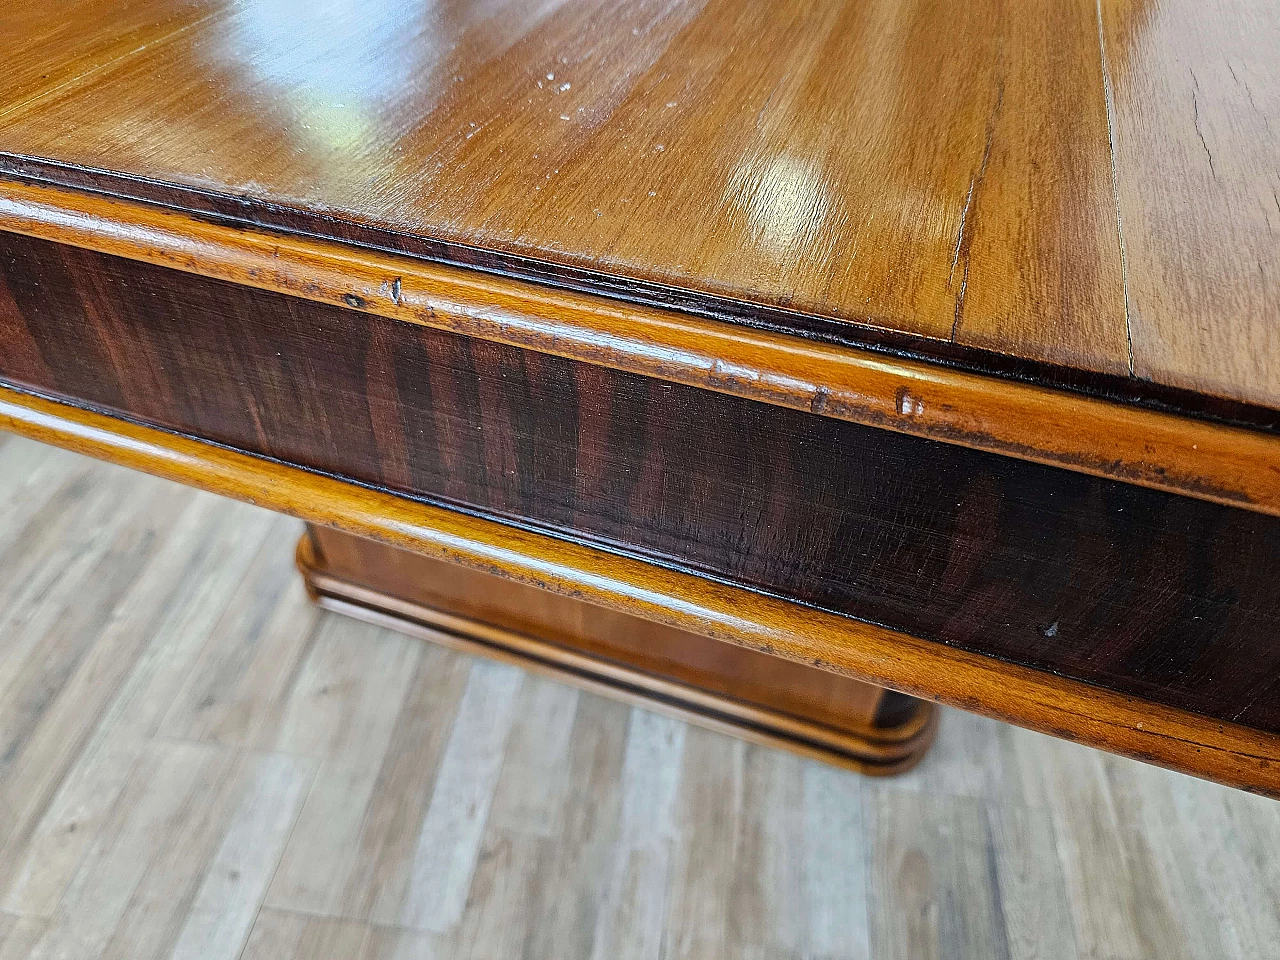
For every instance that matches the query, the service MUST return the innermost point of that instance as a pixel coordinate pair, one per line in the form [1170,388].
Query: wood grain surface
[1197,132]
[47,47]
[824,157]
[903,167]
[155,742]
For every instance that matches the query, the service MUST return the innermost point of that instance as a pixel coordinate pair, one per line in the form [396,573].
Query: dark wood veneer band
[1169,599]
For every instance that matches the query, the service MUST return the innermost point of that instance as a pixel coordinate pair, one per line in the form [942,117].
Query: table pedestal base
[752,695]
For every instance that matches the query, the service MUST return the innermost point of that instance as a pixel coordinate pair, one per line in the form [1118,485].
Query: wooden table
[730,355]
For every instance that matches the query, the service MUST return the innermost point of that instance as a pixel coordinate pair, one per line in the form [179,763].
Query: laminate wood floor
[196,763]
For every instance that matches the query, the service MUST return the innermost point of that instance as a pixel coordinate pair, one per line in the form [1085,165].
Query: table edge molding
[1225,464]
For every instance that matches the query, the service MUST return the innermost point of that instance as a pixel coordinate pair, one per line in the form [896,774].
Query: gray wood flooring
[196,763]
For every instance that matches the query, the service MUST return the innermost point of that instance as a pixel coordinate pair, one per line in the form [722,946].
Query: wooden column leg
[719,685]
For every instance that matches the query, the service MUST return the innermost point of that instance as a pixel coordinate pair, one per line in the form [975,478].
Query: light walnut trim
[1225,752]
[1228,465]
[878,753]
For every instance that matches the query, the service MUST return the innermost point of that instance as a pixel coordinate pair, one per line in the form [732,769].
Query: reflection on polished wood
[845,159]
[933,345]
[944,172]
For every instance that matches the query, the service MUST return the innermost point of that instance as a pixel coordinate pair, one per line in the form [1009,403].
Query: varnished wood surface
[962,180]
[719,685]
[1224,751]
[1149,595]
[1197,133]
[1208,460]
[197,764]
[87,35]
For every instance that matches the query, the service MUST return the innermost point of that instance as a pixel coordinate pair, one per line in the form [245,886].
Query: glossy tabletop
[1091,186]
